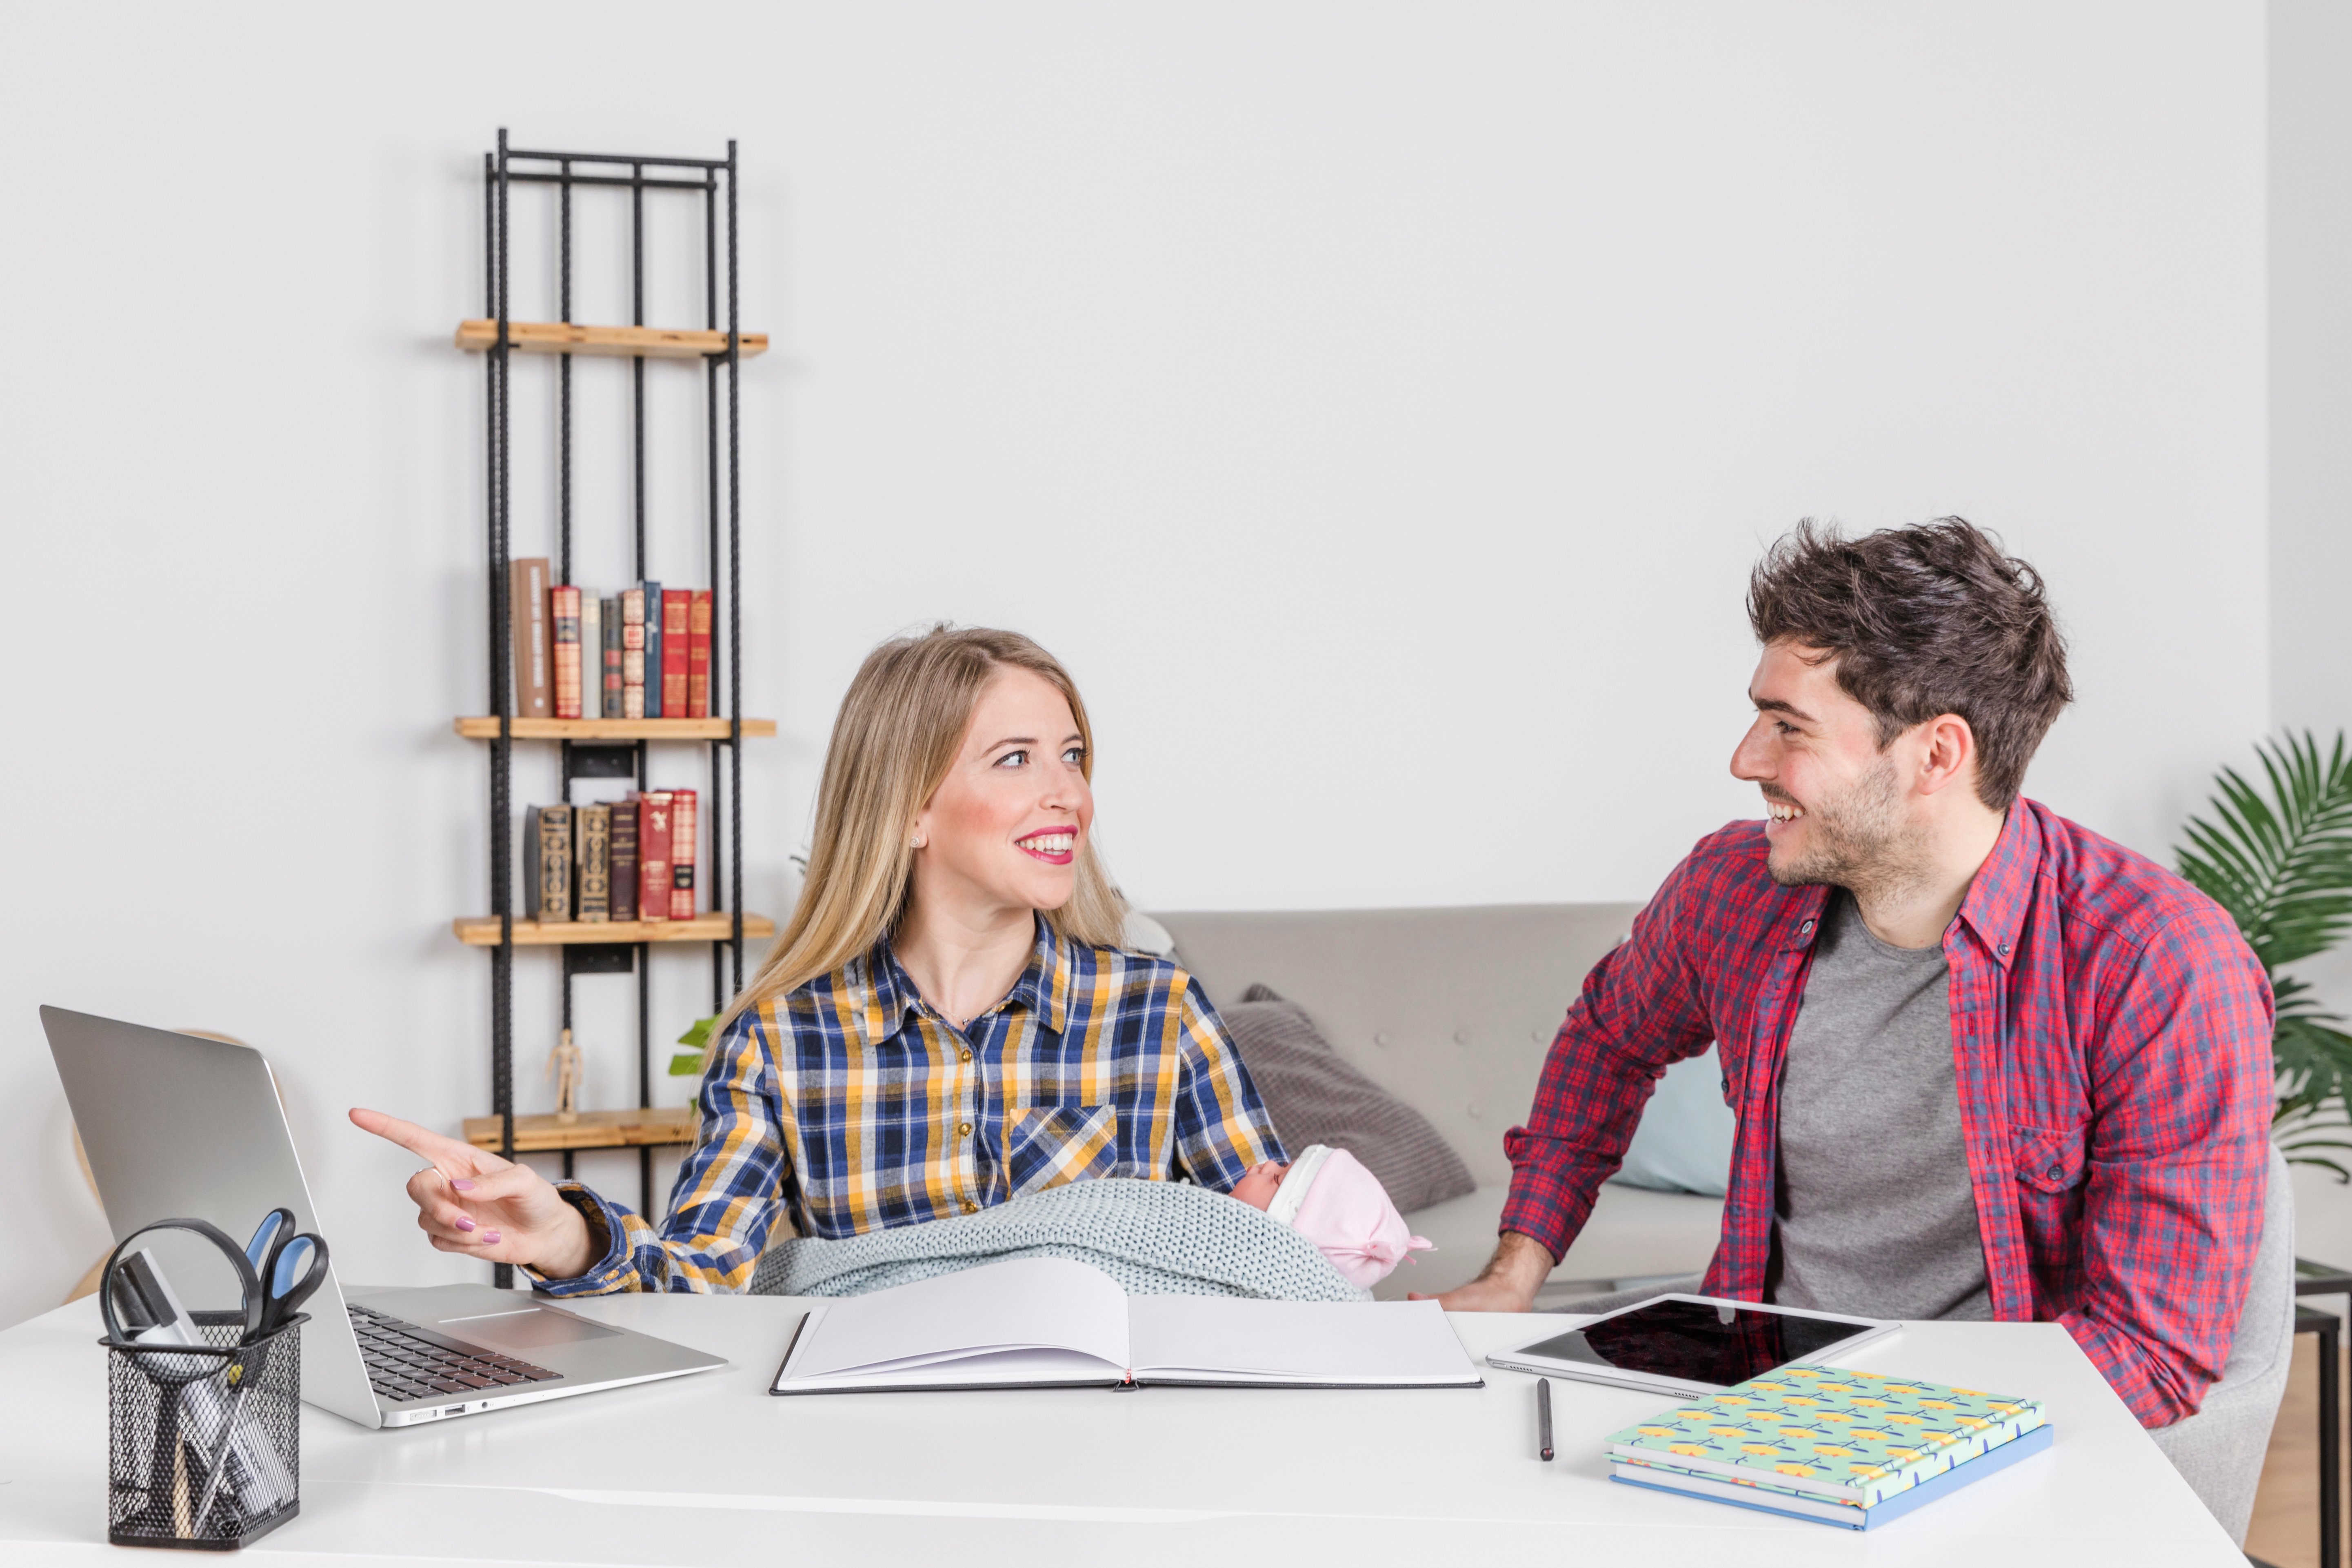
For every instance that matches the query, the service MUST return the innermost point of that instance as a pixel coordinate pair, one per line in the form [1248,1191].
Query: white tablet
[1691,1344]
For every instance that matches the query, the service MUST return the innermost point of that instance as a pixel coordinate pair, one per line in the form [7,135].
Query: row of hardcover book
[642,653]
[630,860]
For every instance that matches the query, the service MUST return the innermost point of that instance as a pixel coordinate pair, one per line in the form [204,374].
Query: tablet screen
[1698,1342]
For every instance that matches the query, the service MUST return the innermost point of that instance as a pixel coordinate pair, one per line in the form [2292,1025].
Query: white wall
[1377,405]
[2311,464]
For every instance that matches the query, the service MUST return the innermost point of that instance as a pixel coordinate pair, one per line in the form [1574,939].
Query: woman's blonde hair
[899,731]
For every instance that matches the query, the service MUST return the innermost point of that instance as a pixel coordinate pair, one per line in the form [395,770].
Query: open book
[1044,1323]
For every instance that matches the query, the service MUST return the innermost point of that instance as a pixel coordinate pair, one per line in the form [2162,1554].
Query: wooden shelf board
[612,342]
[592,1130]
[487,728]
[482,930]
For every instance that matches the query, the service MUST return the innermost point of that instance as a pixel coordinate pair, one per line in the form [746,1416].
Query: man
[1984,1062]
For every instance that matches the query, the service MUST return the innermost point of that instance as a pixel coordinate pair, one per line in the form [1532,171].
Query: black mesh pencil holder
[204,1443]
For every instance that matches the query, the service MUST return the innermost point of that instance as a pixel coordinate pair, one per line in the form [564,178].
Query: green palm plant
[2281,863]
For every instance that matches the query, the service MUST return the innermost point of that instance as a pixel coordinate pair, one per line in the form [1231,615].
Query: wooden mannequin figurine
[564,1062]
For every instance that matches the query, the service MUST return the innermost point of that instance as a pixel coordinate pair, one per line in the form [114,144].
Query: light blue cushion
[1684,1144]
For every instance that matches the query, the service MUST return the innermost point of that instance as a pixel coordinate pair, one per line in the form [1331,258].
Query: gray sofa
[1452,1010]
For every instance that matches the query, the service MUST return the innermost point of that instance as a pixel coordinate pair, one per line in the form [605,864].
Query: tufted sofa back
[1451,1010]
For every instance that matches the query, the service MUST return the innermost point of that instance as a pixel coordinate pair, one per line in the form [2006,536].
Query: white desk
[710,1469]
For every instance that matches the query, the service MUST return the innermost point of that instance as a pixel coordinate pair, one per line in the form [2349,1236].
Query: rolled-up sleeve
[724,1201]
[1638,1014]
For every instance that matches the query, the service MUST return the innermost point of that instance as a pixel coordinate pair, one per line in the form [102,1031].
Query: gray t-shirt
[1874,1213]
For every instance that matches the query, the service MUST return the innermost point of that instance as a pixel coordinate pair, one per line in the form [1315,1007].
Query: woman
[947,1021]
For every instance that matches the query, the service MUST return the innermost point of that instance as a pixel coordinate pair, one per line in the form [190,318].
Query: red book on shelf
[681,854]
[653,854]
[564,605]
[632,653]
[677,617]
[697,658]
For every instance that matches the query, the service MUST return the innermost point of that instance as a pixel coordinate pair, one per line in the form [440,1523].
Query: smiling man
[1986,1063]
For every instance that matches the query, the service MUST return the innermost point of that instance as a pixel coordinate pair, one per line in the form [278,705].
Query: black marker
[1543,1416]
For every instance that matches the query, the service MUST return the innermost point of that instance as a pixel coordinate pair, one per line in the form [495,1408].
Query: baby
[1327,1197]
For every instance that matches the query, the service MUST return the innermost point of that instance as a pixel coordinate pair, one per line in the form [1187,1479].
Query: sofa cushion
[1451,1010]
[1314,1097]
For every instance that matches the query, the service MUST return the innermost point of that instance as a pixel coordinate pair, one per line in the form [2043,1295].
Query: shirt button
[966,1056]
[2002,950]
[1805,930]
[965,1130]
[2055,1172]
[969,1206]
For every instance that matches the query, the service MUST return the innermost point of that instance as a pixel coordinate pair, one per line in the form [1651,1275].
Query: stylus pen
[1543,1415]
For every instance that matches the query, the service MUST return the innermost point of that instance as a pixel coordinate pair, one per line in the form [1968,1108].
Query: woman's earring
[917,842]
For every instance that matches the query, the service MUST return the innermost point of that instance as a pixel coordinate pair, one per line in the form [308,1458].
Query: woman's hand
[470,1201]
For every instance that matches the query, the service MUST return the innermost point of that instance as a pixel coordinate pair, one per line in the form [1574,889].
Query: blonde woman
[947,1021]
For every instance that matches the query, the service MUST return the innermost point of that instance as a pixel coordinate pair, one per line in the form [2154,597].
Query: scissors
[289,1266]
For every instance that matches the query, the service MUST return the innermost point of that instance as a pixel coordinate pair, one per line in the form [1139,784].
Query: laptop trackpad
[526,1330]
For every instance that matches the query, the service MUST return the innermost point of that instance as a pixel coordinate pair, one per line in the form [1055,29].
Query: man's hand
[1507,1284]
[470,1201]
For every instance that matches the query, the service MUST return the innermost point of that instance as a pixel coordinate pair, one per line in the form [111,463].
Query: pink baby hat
[1342,1208]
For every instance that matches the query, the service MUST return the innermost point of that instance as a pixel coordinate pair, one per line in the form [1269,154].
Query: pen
[1543,1415]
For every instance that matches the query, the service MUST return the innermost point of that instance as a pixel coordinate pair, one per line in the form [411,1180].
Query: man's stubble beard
[1858,841]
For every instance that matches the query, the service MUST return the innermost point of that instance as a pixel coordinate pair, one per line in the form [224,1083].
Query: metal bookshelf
[613,749]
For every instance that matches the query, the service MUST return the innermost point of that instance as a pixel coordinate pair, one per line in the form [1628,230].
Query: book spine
[677,645]
[608,660]
[632,653]
[681,854]
[551,840]
[591,656]
[592,832]
[698,659]
[654,708]
[621,882]
[653,854]
[527,613]
[563,617]
[530,864]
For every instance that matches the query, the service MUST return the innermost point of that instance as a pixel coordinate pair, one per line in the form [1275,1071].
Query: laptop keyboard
[406,1363]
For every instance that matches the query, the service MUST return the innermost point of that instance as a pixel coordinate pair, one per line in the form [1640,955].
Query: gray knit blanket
[1156,1239]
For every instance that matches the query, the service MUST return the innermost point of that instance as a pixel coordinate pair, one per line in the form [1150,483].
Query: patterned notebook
[1821,1432]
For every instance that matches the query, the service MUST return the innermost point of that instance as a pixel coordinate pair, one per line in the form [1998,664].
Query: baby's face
[1257,1188]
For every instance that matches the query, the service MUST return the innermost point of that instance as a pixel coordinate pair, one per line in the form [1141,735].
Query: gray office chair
[2218,1451]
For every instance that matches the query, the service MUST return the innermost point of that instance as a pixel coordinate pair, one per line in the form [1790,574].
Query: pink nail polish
[462,1185]
[465,1224]
[490,1235]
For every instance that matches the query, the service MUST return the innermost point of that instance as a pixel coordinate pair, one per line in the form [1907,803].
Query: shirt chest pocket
[2049,1159]
[1048,1145]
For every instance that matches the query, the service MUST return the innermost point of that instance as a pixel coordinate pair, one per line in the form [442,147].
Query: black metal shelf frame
[502,169]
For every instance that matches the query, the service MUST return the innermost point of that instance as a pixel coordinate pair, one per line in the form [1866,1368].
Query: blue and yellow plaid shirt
[854,1102]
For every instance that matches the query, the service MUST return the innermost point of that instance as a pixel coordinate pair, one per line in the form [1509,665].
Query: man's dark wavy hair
[1924,621]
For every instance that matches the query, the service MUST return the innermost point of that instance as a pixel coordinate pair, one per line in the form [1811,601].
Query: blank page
[1040,1303]
[1209,1338]
[983,1368]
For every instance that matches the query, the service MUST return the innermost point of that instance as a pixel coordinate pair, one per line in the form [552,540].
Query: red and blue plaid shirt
[2111,1036]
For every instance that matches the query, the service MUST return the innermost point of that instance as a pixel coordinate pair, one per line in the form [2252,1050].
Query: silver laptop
[175,1125]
